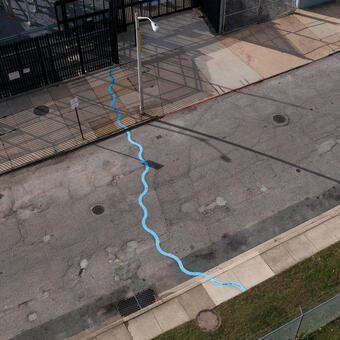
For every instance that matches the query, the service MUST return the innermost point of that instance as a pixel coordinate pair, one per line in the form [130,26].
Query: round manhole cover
[41,110]
[280,119]
[98,209]
[207,320]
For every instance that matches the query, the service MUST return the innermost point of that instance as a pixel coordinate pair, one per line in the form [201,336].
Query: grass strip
[272,303]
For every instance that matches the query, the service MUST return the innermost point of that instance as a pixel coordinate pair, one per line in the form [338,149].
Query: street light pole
[155,28]
[28,11]
[139,65]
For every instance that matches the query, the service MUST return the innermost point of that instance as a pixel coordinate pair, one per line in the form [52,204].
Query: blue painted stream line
[145,210]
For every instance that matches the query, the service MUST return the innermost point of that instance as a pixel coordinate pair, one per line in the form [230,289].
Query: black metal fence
[52,57]
[86,41]
[150,8]
[70,13]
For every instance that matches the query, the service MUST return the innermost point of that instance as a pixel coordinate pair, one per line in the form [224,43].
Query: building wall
[309,3]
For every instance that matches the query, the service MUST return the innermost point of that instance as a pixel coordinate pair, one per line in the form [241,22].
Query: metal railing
[307,322]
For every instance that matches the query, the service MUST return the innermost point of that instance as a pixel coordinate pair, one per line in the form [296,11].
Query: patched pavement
[227,178]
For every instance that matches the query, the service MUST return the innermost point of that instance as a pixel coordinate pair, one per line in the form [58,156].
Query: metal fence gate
[52,57]
[86,41]
[150,8]
[70,13]
[241,13]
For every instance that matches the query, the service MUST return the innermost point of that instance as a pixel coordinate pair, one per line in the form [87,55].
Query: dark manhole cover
[97,209]
[41,110]
[280,119]
[207,320]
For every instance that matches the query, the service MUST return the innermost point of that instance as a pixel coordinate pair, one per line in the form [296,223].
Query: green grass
[328,332]
[273,302]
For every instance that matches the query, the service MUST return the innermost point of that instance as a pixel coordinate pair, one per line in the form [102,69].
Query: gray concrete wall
[310,3]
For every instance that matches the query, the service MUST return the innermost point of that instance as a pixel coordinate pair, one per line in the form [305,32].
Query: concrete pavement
[224,179]
[184,64]
[270,177]
[184,302]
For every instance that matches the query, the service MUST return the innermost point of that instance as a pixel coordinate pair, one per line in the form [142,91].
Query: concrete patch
[300,247]
[170,315]
[225,69]
[117,333]
[195,300]
[254,55]
[327,146]
[322,236]
[253,272]
[220,294]
[278,258]
[144,327]
[324,30]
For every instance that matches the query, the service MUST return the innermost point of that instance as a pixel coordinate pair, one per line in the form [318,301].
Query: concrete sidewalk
[185,301]
[183,65]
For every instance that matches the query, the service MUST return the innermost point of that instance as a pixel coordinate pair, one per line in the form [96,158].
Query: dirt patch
[207,320]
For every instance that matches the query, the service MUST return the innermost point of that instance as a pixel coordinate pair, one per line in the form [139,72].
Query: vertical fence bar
[23,80]
[64,15]
[301,318]
[3,75]
[81,59]
[123,15]
[48,40]
[113,31]
[41,60]
[222,16]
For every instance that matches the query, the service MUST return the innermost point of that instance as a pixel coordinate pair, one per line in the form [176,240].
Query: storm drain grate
[145,298]
[136,303]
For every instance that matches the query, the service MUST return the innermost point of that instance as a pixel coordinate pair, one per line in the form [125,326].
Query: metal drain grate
[136,303]
[146,298]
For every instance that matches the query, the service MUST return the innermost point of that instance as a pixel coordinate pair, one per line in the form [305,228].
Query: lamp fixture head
[154,26]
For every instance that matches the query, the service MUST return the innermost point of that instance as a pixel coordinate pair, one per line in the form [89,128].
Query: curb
[223,267]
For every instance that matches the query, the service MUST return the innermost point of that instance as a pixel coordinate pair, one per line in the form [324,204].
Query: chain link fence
[307,322]
[242,13]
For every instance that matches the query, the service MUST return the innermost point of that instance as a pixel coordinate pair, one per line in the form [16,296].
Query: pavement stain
[220,202]
[238,243]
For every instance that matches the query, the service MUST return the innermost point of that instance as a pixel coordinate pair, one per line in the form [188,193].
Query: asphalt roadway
[223,179]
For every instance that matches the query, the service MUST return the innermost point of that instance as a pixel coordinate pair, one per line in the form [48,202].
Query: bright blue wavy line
[140,200]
